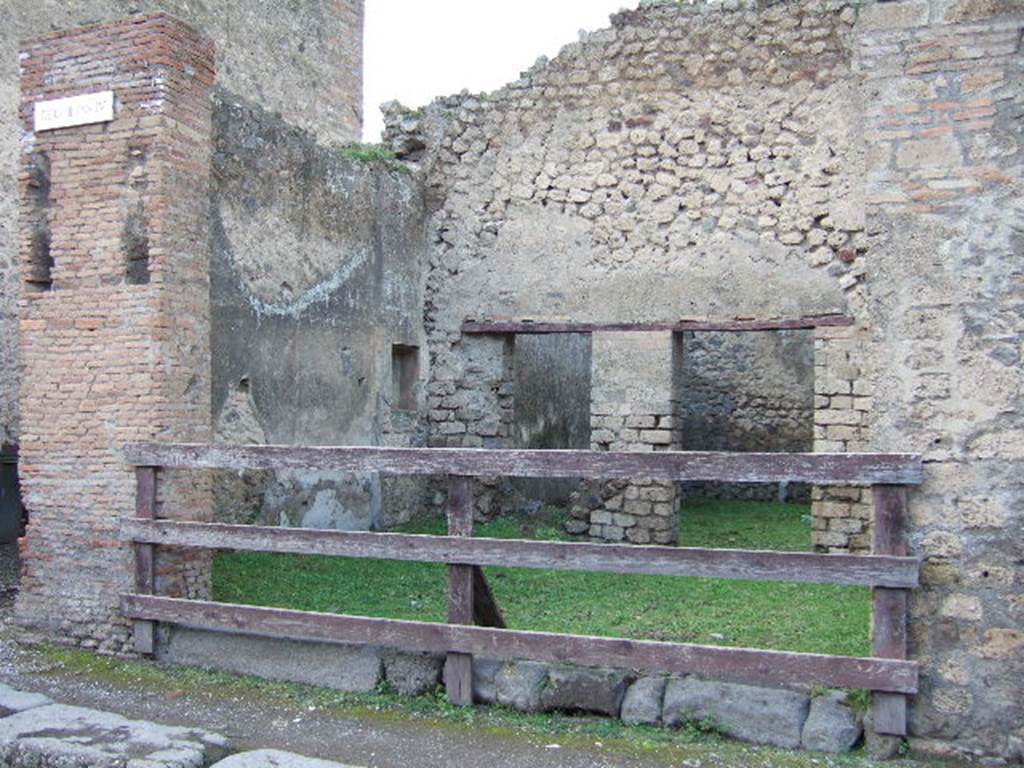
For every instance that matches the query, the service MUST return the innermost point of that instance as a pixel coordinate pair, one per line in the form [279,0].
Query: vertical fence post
[889,606]
[459,666]
[145,555]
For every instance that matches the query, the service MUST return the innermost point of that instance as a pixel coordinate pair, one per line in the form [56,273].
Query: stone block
[638,536]
[636,507]
[485,674]
[520,685]
[643,700]
[641,422]
[614,533]
[930,152]
[758,715]
[831,725]
[412,674]
[656,436]
[582,689]
[352,668]
[663,509]
[886,16]
[576,527]
[58,735]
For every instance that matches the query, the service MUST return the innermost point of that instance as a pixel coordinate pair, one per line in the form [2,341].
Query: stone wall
[114,312]
[690,161]
[687,162]
[318,263]
[723,161]
[302,60]
[944,139]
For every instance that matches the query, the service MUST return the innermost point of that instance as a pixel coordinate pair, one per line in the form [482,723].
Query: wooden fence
[475,623]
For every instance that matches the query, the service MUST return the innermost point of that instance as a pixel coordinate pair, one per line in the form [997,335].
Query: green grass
[373,153]
[796,617]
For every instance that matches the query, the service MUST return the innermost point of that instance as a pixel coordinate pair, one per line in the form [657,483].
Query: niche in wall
[405,371]
[39,276]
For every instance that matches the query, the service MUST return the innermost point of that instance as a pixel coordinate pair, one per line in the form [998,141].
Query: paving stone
[58,736]
[274,758]
[412,674]
[642,702]
[759,715]
[12,701]
[584,689]
[831,726]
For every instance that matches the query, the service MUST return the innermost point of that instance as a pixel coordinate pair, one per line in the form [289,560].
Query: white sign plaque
[74,110]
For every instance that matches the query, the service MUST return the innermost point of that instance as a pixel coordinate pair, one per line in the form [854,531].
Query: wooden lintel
[500,327]
[863,469]
[740,664]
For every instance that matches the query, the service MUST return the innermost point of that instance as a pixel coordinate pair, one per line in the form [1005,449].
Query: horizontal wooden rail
[819,468]
[740,664]
[858,570]
[676,326]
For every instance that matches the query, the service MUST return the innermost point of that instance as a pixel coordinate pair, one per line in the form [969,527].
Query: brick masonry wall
[116,348]
[302,60]
[944,141]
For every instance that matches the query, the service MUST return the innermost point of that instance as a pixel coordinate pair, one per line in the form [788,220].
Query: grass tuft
[373,153]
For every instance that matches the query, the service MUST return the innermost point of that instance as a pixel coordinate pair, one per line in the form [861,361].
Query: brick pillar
[114,311]
[634,407]
[842,402]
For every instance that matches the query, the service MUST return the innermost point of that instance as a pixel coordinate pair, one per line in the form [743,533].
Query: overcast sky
[419,49]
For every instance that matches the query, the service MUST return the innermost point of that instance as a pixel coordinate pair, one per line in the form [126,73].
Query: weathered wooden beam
[818,468]
[740,664]
[678,326]
[144,632]
[757,565]
[486,612]
[458,673]
[889,607]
